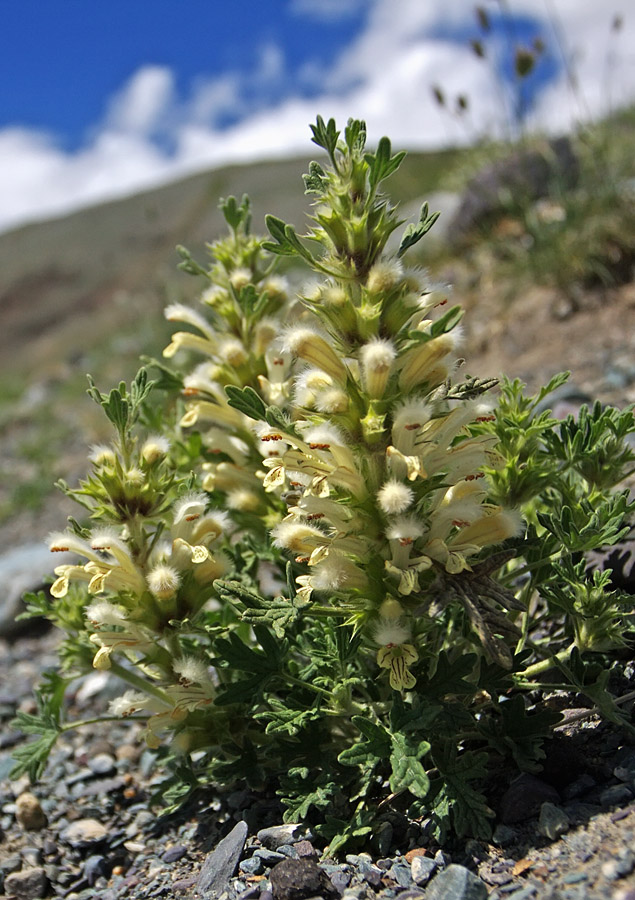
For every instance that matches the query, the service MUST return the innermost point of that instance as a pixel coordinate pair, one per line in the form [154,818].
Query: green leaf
[407,770]
[413,233]
[280,613]
[315,182]
[519,732]
[449,677]
[246,400]
[281,720]
[454,799]
[447,321]
[232,652]
[381,164]
[376,746]
[342,832]
[236,215]
[325,136]
[188,263]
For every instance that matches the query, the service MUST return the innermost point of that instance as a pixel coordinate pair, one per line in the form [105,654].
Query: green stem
[545,664]
[68,726]
[140,683]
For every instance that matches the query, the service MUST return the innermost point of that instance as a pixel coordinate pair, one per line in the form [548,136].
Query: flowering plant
[328,563]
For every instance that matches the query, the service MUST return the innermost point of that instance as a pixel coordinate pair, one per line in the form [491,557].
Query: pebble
[83,833]
[553,821]
[29,812]
[102,764]
[421,869]
[221,863]
[174,854]
[616,795]
[276,835]
[297,879]
[456,883]
[29,884]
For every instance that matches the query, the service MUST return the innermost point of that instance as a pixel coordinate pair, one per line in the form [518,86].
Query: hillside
[85,293]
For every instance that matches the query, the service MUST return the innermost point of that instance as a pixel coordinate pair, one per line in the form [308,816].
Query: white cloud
[385,76]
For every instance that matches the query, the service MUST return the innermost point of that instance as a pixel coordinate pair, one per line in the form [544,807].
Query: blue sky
[98,99]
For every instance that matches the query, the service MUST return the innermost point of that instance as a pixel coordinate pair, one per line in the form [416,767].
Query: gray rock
[102,764]
[96,866]
[553,821]
[23,569]
[173,854]
[456,883]
[276,835]
[503,835]
[252,866]
[297,879]
[221,863]
[84,833]
[30,884]
[421,869]
[616,795]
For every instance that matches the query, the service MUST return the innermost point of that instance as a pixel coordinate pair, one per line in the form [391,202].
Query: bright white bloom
[391,631]
[377,357]
[404,529]
[155,448]
[163,582]
[101,455]
[129,703]
[103,612]
[394,497]
[240,277]
[384,275]
[191,670]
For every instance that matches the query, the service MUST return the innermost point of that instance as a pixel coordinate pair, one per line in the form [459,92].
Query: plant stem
[140,683]
[545,664]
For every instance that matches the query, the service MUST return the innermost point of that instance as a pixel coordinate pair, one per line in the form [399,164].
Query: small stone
[221,863]
[29,812]
[83,833]
[400,873]
[30,884]
[616,795]
[11,864]
[276,835]
[32,856]
[456,883]
[340,880]
[421,869]
[173,854]
[252,866]
[102,764]
[503,835]
[297,879]
[553,821]
[96,866]
[288,850]
[269,857]
[306,850]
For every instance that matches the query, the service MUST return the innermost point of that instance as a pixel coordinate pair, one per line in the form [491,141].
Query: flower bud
[377,357]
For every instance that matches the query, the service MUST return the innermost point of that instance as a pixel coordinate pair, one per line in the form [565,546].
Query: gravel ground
[86,830]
